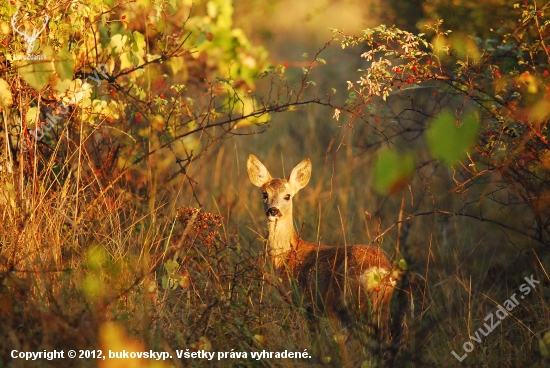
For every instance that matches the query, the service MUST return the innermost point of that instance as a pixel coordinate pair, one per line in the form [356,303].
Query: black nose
[273,211]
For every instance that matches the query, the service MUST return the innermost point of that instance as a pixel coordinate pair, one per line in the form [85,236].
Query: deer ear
[299,177]
[257,172]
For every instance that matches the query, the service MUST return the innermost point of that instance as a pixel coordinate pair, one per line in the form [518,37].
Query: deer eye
[265,196]
[287,197]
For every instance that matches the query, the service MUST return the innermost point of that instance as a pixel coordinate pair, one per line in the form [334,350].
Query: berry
[545,73]
[12,2]
[123,17]
[161,95]
[539,13]
[5,43]
[496,73]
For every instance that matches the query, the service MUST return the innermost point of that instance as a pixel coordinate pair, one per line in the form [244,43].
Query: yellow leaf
[125,61]
[202,344]
[32,116]
[157,122]
[177,64]
[62,85]
[5,28]
[6,98]
[260,339]
[118,42]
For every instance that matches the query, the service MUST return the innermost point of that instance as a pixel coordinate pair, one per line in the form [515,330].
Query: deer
[350,284]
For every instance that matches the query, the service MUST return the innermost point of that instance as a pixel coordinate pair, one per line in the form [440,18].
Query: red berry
[428,62]
[414,69]
[539,13]
[545,73]
[161,95]
[397,69]
[409,80]
[123,17]
[496,73]
[286,64]
[5,43]
[12,2]
[112,93]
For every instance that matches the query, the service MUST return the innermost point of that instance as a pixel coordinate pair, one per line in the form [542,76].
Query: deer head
[278,193]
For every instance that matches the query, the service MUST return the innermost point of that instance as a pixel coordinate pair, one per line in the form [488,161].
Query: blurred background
[93,249]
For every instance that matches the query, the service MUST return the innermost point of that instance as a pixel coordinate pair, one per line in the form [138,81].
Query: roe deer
[346,282]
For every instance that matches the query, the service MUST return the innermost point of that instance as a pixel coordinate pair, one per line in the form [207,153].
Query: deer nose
[273,211]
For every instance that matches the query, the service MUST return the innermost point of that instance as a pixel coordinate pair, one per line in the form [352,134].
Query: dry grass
[73,259]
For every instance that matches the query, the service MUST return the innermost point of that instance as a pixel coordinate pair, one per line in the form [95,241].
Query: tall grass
[74,259]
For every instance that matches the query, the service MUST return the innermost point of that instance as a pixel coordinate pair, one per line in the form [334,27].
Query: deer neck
[282,238]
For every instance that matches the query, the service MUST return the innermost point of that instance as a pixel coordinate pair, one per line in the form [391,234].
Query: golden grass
[74,259]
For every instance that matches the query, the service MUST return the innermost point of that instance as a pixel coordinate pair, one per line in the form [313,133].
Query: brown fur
[331,279]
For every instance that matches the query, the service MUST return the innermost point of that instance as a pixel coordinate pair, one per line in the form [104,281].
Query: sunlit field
[132,236]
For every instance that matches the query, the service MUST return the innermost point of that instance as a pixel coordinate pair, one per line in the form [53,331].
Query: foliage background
[95,255]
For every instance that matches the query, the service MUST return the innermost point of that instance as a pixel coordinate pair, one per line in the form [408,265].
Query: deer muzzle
[273,214]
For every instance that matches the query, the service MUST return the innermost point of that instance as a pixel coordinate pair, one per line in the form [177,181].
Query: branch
[463,214]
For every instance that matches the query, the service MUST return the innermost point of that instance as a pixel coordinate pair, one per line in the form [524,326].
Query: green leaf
[170,266]
[64,64]
[118,43]
[37,73]
[31,116]
[403,264]
[391,171]
[449,141]
[374,279]
[165,281]
[138,44]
